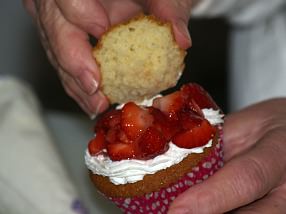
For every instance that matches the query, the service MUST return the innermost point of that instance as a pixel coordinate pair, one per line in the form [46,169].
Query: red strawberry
[135,120]
[97,144]
[168,128]
[111,134]
[121,151]
[122,137]
[189,120]
[199,95]
[152,143]
[169,104]
[197,136]
[194,107]
[109,120]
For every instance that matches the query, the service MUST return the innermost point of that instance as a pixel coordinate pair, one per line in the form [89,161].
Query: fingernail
[98,30]
[87,83]
[182,28]
[99,106]
[85,108]
[93,115]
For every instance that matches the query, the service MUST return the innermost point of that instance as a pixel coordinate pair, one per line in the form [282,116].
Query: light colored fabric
[257,55]
[258,62]
[239,12]
[72,133]
[32,176]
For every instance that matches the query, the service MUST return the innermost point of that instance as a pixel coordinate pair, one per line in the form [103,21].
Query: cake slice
[138,59]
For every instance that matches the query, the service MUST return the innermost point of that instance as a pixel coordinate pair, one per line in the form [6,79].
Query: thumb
[178,13]
[89,15]
[241,181]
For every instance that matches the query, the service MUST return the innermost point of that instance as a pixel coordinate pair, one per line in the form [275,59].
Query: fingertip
[184,203]
[182,34]
[89,15]
[94,105]
[178,13]
[87,82]
[178,210]
[97,104]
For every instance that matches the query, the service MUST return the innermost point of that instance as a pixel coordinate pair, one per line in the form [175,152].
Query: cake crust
[138,59]
[152,182]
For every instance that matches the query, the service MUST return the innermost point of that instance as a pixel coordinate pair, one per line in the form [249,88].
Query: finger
[47,47]
[88,15]
[91,104]
[178,13]
[121,11]
[273,203]
[240,182]
[237,137]
[71,48]
[241,129]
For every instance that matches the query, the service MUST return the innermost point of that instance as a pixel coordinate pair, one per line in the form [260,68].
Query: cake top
[144,132]
[138,59]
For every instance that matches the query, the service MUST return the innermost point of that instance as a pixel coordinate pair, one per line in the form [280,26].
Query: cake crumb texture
[138,59]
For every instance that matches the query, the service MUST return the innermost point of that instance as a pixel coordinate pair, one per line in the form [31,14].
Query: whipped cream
[132,170]
[145,102]
[213,116]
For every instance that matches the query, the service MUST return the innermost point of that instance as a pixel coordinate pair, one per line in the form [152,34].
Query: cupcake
[143,155]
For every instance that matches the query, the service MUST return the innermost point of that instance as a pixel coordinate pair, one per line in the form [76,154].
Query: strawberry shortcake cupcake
[143,155]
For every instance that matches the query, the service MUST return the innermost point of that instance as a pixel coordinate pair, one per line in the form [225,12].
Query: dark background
[206,64]
[21,55]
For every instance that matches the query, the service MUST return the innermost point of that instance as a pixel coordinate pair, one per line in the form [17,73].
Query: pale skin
[64,26]
[253,179]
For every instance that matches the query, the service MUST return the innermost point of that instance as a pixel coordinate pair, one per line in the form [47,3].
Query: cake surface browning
[138,59]
[152,182]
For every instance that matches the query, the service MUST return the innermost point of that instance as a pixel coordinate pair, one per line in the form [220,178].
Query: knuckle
[253,180]
[73,9]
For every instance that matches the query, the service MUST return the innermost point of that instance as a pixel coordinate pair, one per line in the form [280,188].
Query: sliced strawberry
[108,120]
[111,134]
[189,120]
[142,133]
[152,143]
[116,134]
[197,136]
[199,95]
[122,151]
[122,137]
[194,107]
[169,104]
[97,144]
[168,128]
[135,120]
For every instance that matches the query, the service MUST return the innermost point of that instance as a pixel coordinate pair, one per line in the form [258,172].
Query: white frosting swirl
[213,116]
[130,171]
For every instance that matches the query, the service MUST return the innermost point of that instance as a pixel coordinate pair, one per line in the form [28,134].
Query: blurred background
[22,56]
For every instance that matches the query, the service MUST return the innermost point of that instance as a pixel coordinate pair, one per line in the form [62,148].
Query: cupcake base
[158,202]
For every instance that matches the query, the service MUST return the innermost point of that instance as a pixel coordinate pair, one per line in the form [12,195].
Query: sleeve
[241,12]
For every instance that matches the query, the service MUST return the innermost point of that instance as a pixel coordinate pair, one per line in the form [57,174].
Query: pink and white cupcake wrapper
[158,202]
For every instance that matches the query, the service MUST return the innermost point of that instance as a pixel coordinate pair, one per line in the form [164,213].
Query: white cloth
[33,178]
[257,47]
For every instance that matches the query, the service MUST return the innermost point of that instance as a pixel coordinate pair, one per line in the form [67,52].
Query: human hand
[253,179]
[65,26]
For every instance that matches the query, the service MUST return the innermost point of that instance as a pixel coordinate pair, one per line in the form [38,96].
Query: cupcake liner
[158,202]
